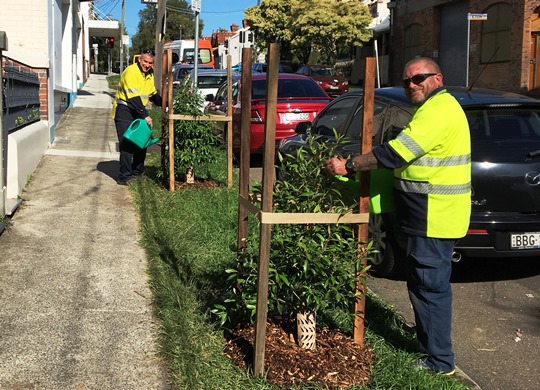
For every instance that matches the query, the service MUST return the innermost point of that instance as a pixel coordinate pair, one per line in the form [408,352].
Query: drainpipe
[3,137]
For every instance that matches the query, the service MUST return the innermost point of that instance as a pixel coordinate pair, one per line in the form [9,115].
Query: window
[354,130]
[334,117]
[413,41]
[189,54]
[221,94]
[205,56]
[288,89]
[211,81]
[504,135]
[496,32]
[396,121]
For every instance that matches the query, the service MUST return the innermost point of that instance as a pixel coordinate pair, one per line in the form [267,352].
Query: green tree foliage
[302,26]
[180,25]
[331,25]
[196,144]
[313,267]
[271,22]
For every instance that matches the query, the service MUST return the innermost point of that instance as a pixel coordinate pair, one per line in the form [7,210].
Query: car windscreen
[211,81]
[504,134]
[324,72]
[289,88]
[180,73]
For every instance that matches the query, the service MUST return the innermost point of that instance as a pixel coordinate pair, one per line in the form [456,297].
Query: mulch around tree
[337,362]
[179,185]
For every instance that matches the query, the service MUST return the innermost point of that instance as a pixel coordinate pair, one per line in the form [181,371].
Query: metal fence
[21,98]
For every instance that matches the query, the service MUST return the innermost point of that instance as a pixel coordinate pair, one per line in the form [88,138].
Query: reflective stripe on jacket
[433,188]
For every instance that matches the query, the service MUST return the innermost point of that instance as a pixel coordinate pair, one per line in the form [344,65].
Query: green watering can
[140,134]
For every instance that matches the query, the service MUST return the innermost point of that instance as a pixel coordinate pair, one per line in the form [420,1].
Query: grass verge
[190,236]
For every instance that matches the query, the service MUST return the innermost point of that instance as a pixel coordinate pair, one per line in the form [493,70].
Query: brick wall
[511,75]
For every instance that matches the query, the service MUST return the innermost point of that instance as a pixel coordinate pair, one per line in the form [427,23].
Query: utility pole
[160,35]
[196,7]
[122,38]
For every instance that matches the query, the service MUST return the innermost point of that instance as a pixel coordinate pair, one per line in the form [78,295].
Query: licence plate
[525,240]
[297,116]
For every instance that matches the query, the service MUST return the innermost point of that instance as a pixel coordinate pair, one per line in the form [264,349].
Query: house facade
[46,59]
[482,43]
[230,43]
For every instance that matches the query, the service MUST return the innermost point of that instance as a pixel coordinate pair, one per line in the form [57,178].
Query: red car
[300,99]
[327,77]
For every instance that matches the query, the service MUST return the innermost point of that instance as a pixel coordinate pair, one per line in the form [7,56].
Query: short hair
[427,61]
[148,51]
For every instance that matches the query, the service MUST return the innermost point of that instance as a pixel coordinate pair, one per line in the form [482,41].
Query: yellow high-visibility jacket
[431,158]
[134,84]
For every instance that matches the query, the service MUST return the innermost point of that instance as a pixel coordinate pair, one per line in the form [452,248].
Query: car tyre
[388,260]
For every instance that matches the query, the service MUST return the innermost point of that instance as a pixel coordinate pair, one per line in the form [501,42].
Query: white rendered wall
[25,148]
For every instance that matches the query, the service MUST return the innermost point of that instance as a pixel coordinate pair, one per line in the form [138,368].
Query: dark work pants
[430,292]
[131,156]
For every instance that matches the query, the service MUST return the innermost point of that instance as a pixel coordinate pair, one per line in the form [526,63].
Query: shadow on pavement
[470,270]
[110,168]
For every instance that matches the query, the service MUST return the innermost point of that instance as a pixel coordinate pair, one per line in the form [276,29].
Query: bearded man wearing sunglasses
[432,188]
[135,89]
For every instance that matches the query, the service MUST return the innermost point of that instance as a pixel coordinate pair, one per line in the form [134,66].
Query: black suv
[505,142]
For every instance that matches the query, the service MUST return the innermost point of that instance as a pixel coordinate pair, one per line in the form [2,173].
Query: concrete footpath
[75,308]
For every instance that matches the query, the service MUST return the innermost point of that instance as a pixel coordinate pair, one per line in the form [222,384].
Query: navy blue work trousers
[430,292]
[131,156]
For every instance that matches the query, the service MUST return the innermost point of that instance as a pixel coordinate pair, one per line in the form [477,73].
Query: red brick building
[503,50]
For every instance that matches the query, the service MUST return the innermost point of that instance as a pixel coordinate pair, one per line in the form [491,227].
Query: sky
[214,13]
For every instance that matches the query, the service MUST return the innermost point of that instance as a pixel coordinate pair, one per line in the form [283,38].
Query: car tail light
[255,117]
[477,231]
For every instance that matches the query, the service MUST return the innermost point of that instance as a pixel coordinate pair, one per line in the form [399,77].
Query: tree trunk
[305,322]
[190,177]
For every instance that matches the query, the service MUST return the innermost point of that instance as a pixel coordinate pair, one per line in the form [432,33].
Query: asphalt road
[496,319]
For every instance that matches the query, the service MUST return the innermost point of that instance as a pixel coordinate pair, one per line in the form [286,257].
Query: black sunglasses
[148,51]
[417,79]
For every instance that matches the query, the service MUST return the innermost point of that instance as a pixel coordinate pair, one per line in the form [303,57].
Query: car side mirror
[302,127]
[210,97]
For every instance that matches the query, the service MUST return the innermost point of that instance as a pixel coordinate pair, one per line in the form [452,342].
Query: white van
[179,47]
[185,49]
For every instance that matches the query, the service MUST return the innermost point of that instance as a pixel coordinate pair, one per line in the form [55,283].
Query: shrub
[313,267]
[196,145]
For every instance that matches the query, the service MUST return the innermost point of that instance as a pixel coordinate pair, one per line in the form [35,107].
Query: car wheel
[387,261]
[224,135]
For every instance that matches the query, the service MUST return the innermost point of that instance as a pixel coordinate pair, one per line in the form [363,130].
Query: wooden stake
[267,193]
[164,105]
[367,132]
[244,145]
[229,124]
[171,124]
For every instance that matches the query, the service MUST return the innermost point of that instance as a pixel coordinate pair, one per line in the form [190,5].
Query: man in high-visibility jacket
[431,159]
[135,89]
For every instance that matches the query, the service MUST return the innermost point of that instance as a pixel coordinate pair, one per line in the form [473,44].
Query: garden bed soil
[336,363]
[179,185]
